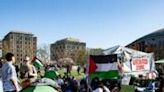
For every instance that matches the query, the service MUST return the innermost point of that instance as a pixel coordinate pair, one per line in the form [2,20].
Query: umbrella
[51,74]
[39,88]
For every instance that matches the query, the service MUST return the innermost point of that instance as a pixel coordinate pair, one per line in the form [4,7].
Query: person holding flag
[31,73]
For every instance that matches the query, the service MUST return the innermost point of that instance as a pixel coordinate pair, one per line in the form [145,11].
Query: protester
[9,76]
[84,70]
[59,80]
[68,67]
[115,89]
[1,85]
[161,87]
[78,69]
[101,87]
[83,86]
[30,73]
[0,67]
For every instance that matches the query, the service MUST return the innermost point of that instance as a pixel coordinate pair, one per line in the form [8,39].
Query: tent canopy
[132,61]
[52,74]
[160,61]
[120,50]
[39,89]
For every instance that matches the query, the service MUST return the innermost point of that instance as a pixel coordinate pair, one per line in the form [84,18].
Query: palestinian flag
[37,63]
[103,66]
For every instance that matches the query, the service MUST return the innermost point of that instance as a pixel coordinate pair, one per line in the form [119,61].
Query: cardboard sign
[140,64]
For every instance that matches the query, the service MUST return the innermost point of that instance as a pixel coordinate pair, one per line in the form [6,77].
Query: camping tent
[43,85]
[52,74]
[131,61]
[38,88]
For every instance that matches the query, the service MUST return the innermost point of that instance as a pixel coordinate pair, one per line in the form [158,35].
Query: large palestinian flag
[103,66]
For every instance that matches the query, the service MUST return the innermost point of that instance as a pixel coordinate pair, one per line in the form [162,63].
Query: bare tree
[79,57]
[43,52]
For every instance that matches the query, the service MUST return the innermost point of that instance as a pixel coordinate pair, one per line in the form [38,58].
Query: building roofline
[19,32]
[153,34]
[70,39]
[23,32]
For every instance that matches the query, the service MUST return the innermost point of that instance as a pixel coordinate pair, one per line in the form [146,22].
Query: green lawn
[74,73]
[127,88]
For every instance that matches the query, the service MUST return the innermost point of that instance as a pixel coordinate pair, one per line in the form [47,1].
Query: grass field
[73,73]
[127,88]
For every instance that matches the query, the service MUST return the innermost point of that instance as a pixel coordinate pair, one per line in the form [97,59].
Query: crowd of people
[66,83]
[29,75]
[71,84]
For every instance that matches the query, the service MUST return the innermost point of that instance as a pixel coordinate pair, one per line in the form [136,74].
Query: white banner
[140,64]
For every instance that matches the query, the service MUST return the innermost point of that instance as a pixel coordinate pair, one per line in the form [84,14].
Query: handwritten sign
[140,64]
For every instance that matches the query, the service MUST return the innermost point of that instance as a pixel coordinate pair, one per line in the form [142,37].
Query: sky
[99,23]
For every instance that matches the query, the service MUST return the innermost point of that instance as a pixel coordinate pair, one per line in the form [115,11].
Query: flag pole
[87,75]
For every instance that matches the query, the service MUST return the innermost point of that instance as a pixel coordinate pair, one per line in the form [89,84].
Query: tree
[81,57]
[43,52]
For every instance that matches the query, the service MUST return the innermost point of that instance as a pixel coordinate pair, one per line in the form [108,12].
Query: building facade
[94,51]
[67,48]
[153,42]
[21,44]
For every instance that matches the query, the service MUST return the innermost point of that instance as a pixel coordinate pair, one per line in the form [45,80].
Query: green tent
[38,88]
[160,61]
[51,74]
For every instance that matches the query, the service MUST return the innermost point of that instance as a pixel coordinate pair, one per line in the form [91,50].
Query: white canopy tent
[133,62]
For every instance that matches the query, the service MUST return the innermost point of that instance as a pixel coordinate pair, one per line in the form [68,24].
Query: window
[11,37]
[68,47]
[73,47]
